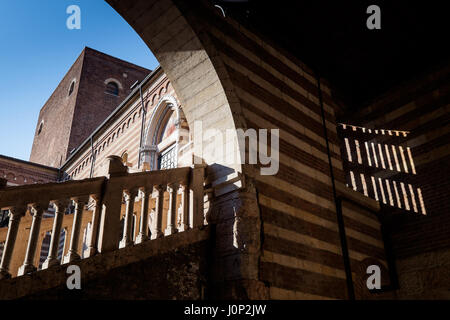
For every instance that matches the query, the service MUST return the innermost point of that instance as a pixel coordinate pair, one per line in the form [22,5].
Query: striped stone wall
[422,108]
[276,236]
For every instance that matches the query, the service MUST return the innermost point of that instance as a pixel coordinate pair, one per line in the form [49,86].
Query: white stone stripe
[291,262]
[293,123]
[286,136]
[277,92]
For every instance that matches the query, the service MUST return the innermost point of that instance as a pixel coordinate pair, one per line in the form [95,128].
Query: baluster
[184,208]
[171,213]
[73,255]
[15,215]
[196,197]
[158,194]
[92,245]
[127,238]
[143,225]
[52,259]
[28,266]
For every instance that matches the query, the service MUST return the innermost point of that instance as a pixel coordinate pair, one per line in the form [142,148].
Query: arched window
[72,86]
[165,137]
[166,144]
[112,88]
[41,125]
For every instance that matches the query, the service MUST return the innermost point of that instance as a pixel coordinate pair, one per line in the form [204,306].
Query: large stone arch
[206,93]
[195,71]
[230,78]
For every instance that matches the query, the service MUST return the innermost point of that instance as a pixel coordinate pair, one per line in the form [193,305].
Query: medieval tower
[92,88]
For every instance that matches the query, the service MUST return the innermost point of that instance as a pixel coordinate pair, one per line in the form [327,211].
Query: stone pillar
[143,225]
[109,229]
[171,214]
[28,266]
[196,197]
[52,259]
[92,245]
[184,208]
[73,255]
[148,155]
[158,194]
[15,214]
[127,238]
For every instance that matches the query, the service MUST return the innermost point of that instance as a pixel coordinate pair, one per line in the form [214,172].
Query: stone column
[148,155]
[92,245]
[158,194]
[127,238]
[196,196]
[73,255]
[109,229]
[184,208]
[52,259]
[143,225]
[15,214]
[28,266]
[171,214]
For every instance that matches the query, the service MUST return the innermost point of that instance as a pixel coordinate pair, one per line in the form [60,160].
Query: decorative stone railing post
[143,225]
[73,255]
[171,213]
[15,215]
[28,266]
[109,231]
[184,207]
[92,245]
[196,198]
[127,238]
[158,194]
[52,259]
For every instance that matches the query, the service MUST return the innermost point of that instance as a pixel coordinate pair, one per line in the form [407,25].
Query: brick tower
[92,88]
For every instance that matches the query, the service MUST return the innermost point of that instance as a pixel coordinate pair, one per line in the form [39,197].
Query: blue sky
[37,49]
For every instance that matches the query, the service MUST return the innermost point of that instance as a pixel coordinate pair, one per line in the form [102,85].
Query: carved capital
[17,212]
[60,205]
[172,187]
[157,191]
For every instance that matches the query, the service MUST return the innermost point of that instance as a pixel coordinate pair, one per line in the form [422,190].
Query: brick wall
[19,172]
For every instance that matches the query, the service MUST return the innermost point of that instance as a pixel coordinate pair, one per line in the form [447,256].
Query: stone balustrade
[166,201]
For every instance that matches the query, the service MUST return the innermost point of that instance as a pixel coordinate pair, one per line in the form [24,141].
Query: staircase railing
[166,202]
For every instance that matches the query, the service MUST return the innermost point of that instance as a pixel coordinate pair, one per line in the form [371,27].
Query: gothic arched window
[167,158]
